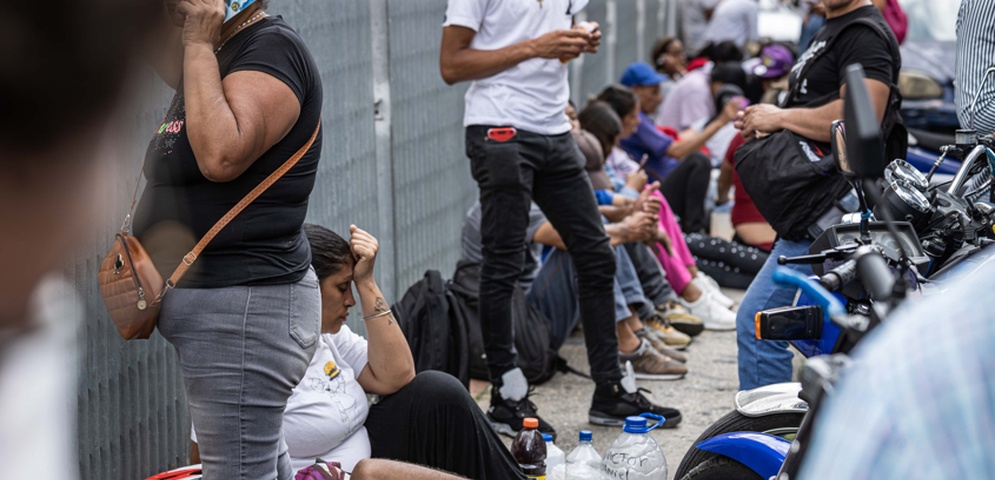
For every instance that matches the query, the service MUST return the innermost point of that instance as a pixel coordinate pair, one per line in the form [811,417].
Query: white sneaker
[714,315]
[708,284]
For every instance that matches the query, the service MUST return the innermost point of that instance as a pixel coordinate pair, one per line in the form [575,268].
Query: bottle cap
[635,424]
[547,437]
[639,424]
[534,423]
[586,436]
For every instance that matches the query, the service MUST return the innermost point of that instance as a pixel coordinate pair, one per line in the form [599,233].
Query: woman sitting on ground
[427,419]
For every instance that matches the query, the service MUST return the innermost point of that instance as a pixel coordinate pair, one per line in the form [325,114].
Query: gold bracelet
[381,314]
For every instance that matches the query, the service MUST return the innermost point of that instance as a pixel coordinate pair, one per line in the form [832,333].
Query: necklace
[239,28]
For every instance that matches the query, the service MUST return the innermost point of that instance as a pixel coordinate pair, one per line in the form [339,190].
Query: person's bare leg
[378,469]
[628,342]
[634,323]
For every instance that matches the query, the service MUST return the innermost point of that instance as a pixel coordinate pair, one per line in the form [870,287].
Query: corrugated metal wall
[393,163]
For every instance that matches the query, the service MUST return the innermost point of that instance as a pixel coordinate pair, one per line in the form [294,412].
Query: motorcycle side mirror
[864,148]
[837,139]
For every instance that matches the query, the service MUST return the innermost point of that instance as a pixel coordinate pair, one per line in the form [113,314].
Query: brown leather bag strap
[192,255]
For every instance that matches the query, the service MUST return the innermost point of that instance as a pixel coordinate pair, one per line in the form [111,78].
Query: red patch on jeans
[501,134]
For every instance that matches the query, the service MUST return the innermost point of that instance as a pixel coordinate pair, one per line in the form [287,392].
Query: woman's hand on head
[202,21]
[364,249]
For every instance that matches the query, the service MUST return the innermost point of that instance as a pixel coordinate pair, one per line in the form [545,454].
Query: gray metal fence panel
[432,183]
[597,70]
[628,47]
[652,28]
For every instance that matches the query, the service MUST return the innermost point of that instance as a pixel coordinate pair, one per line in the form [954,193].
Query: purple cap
[641,74]
[775,62]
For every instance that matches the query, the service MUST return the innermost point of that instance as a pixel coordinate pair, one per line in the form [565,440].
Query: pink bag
[897,20]
[321,470]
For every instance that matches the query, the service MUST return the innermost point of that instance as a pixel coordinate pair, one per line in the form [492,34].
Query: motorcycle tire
[780,424]
[721,468]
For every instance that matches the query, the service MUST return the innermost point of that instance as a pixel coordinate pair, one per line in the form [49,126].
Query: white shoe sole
[720,328]
[660,376]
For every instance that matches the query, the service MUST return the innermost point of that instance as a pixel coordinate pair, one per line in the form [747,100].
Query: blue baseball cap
[641,74]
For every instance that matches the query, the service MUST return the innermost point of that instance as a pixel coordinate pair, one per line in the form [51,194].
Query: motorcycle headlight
[918,86]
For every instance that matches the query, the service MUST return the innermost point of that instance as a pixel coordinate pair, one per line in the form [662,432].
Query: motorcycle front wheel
[721,468]
[784,425]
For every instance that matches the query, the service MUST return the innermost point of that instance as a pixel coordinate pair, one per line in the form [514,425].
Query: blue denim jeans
[242,350]
[764,362]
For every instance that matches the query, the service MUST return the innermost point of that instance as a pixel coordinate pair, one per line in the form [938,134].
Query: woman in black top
[245,318]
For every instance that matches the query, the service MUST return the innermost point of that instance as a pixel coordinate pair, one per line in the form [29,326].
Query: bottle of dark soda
[529,450]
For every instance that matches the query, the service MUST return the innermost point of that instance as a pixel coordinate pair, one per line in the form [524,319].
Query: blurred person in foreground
[248,97]
[908,409]
[50,137]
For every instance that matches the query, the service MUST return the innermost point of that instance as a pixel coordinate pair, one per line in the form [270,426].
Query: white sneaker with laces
[712,313]
[708,284]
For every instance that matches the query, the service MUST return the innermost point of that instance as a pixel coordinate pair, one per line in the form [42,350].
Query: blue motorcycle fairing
[760,452]
[923,160]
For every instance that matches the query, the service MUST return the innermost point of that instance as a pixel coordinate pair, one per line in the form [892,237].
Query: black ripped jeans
[547,169]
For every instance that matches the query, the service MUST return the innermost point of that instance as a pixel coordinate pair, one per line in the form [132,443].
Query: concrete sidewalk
[702,397]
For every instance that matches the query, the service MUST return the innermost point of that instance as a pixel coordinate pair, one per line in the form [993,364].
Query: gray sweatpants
[242,350]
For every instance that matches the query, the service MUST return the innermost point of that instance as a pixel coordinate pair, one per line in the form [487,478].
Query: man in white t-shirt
[520,150]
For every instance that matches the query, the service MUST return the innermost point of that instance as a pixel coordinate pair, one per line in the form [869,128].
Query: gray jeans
[242,350]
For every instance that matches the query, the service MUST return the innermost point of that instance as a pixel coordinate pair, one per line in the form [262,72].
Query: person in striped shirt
[975,54]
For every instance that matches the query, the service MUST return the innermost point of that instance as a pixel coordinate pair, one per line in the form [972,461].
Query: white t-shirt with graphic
[326,412]
[533,94]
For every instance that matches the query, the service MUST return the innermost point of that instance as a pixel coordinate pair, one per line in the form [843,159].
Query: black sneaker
[506,416]
[612,403]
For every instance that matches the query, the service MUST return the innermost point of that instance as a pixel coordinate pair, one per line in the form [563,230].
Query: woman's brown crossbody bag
[131,286]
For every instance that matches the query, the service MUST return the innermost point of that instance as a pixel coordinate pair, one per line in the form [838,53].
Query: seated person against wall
[670,59]
[691,98]
[699,294]
[683,171]
[420,419]
[551,286]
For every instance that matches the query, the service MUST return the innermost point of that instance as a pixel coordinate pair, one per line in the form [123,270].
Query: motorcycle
[944,226]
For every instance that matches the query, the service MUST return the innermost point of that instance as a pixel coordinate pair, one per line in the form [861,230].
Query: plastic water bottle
[584,462]
[529,450]
[635,455]
[554,456]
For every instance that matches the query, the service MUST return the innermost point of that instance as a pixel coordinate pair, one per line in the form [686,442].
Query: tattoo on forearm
[379,306]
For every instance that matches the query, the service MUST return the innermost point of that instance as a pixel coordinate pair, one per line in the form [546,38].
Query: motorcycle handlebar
[791,278]
[838,277]
[876,276]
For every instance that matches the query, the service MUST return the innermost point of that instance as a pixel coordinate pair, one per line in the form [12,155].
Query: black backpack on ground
[533,336]
[435,327]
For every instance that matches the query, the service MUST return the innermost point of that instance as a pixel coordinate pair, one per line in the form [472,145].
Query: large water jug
[635,455]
